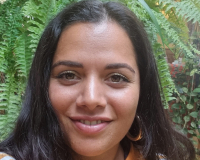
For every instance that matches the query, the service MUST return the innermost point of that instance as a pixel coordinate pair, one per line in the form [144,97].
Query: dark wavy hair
[38,136]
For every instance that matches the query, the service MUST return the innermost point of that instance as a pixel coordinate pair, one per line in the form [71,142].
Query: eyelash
[61,75]
[122,77]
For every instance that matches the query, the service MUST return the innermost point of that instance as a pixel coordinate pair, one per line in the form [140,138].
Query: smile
[90,126]
[90,123]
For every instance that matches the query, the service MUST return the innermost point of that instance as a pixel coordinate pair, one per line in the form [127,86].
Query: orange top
[134,154]
[4,156]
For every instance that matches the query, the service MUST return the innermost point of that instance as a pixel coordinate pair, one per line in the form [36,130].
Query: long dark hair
[37,134]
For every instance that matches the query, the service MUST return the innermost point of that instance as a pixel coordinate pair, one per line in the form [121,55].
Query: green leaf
[185,131]
[199,122]
[196,99]
[185,89]
[198,136]
[179,120]
[189,106]
[182,111]
[171,98]
[187,118]
[175,106]
[193,124]
[176,114]
[175,120]
[185,84]
[193,72]
[146,7]
[191,131]
[196,90]
[183,98]
[187,73]
[194,114]
[193,94]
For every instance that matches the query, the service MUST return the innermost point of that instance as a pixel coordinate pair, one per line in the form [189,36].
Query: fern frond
[188,9]
[10,101]
[173,35]
[11,86]
[3,49]
[167,84]
[39,14]
[23,55]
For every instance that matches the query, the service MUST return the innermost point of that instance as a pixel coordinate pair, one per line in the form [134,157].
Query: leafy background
[174,21]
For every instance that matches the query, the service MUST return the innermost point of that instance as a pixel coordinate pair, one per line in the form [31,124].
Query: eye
[117,78]
[68,75]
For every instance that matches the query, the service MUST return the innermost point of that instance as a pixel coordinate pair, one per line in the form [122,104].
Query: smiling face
[94,87]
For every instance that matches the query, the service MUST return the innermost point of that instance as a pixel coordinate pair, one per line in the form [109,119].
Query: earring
[129,136]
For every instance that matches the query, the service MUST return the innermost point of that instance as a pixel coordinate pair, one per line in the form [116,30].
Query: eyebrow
[79,65]
[68,63]
[119,65]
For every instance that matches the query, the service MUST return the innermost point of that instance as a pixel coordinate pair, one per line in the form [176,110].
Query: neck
[115,153]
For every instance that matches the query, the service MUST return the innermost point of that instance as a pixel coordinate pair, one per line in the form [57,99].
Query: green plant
[172,17]
[10,81]
[21,24]
[152,26]
[186,109]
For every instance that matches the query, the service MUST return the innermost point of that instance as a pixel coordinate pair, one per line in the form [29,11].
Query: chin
[88,152]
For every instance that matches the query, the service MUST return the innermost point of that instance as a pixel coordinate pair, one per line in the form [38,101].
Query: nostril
[92,95]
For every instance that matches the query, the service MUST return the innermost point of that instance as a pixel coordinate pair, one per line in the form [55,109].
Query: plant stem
[191,88]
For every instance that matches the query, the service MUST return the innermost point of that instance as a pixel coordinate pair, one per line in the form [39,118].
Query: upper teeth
[90,122]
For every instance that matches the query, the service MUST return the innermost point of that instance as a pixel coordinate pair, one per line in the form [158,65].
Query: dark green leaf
[175,106]
[196,99]
[183,110]
[175,120]
[194,114]
[179,120]
[185,83]
[196,90]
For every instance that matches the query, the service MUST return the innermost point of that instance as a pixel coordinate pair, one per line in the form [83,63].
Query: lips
[90,125]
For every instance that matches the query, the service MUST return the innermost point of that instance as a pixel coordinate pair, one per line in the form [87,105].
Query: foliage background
[23,21]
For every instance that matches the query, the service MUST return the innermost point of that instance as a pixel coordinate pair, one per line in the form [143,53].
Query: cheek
[125,104]
[60,97]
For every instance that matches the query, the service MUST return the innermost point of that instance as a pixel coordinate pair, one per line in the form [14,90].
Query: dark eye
[116,78]
[67,75]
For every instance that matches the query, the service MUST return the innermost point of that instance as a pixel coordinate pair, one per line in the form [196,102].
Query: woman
[93,92]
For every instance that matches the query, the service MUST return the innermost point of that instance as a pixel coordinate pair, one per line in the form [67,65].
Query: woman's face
[94,87]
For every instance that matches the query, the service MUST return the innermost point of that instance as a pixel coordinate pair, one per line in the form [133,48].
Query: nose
[92,94]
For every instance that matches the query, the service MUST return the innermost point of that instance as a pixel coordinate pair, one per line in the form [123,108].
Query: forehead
[92,39]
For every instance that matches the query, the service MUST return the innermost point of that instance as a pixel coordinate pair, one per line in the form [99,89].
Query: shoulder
[135,154]
[4,156]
